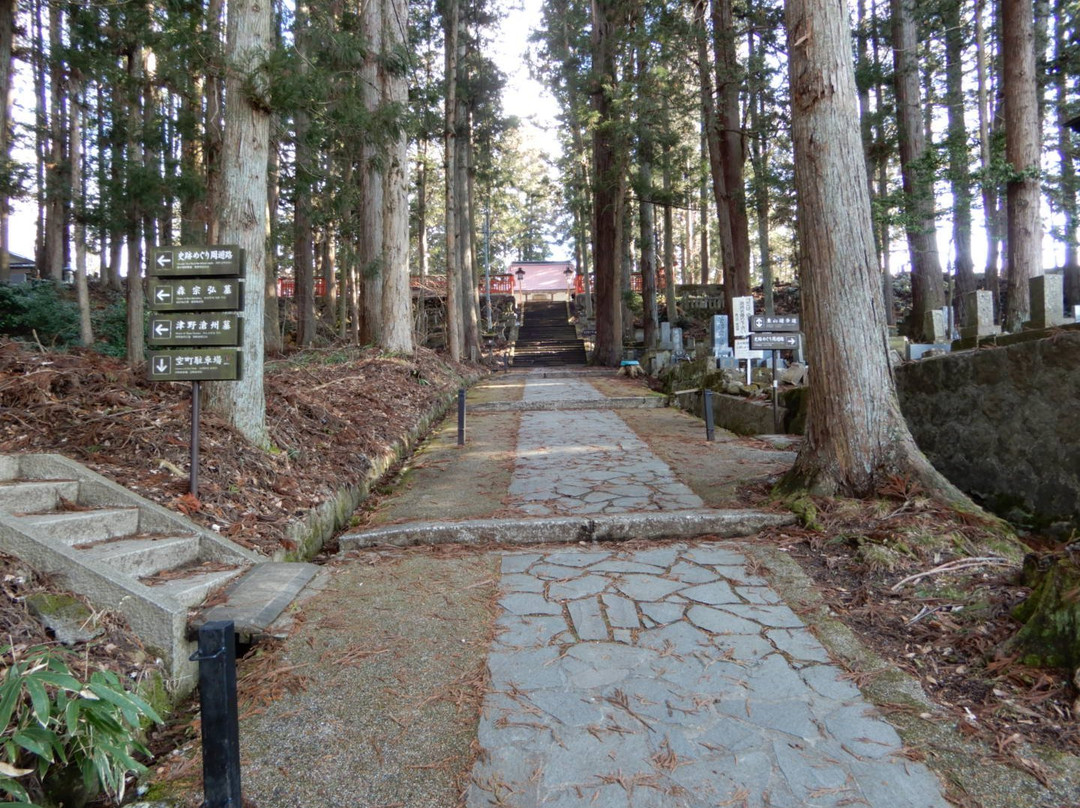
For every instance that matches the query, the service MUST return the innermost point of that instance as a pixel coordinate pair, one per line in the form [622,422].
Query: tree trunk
[82,290]
[303,233]
[669,245]
[272,326]
[243,219]
[719,182]
[1050,635]
[606,189]
[7,41]
[133,157]
[1022,154]
[455,331]
[959,154]
[370,243]
[927,289]
[703,201]
[759,156]
[1066,158]
[989,191]
[214,126]
[396,333]
[732,151]
[856,435]
[56,179]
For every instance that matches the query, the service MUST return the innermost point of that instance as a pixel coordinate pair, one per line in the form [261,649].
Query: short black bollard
[461,417]
[220,723]
[710,430]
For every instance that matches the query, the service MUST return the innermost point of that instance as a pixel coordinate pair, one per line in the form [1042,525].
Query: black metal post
[461,417]
[710,430]
[194,439]
[775,397]
[220,723]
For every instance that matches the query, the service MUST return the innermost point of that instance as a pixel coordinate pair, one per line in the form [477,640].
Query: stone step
[80,527]
[36,496]
[192,589]
[254,601]
[143,556]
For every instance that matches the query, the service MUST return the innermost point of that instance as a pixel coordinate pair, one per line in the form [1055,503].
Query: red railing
[500,285]
[635,281]
[286,287]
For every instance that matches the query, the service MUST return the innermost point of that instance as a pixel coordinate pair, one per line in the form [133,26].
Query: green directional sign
[195,328]
[193,294]
[180,261]
[220,365]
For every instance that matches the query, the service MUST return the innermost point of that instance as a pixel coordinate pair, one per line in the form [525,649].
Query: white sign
[744,310]
[742,349]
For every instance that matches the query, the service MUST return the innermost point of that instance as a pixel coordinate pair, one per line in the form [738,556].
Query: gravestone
[1076,313]
[720,336]
[935,326]
[1047,301]
[979,315]
[665,336]
[678,351]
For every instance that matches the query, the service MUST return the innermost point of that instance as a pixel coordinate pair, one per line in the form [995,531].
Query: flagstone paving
[573,463]
[673,677]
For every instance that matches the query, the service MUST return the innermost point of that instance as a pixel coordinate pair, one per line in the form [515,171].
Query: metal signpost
[775,334]
[194,293]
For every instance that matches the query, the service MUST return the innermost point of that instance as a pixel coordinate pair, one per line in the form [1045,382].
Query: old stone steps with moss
[127,554]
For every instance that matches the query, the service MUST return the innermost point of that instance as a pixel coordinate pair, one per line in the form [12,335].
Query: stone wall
[1003,423]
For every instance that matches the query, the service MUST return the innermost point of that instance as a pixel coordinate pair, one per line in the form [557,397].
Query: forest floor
[328,411]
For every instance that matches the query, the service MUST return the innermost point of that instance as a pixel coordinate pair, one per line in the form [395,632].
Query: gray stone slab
[528,603]
[621,612]
[624,566]
[692,573]
[258,598]
[798,643]
[583,587]
[663,613]
[862,731]
[554,572]
[677,638]
[779,616]
[714,594]
[587,619]
[761,595]
[577,559]
[529,631]
[829,682]
[721,622]
[715,555]
[536,668]
[647,587]
[520,582]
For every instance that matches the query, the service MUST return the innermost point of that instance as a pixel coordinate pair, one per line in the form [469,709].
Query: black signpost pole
[775,396]
[194,439]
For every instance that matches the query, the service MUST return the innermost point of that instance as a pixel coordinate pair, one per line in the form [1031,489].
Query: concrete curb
[616,403]
[567,529]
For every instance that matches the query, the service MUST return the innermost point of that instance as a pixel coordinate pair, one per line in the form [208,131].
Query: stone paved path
[587,461]
[673,677]
[670,677]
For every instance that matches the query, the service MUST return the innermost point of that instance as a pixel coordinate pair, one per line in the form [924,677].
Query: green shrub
[110,328]
[37,308]
[56,726]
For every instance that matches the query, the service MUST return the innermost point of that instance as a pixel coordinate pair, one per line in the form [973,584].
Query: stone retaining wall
[1003,423]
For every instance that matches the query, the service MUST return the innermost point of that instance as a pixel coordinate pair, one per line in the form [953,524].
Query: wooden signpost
[774,333]
[194,293]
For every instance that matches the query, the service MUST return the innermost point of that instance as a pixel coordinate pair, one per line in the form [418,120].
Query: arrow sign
[203,260]
[193,329]
[218,364]
[194,294]
[775,342]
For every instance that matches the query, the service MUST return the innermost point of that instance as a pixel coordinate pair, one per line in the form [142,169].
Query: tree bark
[1022,153]
[1067,159]
[606,189]
[82,289]
[214,125]
[303,232]
[455,331]
[370,243]
[928,292]
[7,41]
[132,157]
[56,179]
[989,190]
[856,435]
[396,333]
[243,219]
[959,153]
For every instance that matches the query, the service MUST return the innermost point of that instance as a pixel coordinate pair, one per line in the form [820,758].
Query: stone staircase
[120,551]
[547,339]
